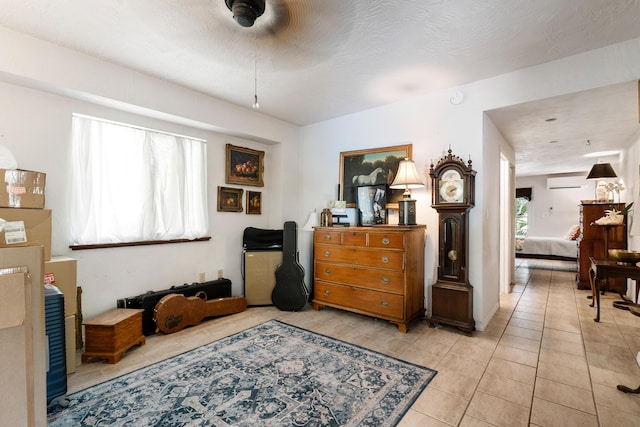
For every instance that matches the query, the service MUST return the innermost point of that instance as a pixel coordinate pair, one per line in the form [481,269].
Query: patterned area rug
[273,374]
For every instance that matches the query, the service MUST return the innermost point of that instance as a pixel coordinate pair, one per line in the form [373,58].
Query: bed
[547,248]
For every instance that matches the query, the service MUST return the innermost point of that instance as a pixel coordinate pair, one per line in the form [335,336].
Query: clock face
[451,187]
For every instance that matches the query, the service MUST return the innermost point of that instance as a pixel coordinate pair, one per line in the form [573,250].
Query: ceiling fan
[294,33]
[245,12]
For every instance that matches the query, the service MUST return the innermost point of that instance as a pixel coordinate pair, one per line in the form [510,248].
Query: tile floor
[542,361]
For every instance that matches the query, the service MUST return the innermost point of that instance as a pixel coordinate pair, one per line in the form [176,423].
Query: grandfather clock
[453,194]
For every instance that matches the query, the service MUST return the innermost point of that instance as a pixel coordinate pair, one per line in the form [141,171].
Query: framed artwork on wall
[372,204]
[376,166]
[254,202]
[244,166]
[230,199]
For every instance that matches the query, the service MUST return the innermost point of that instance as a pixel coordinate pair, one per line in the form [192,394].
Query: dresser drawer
[354,238]
[328,237]
[374,302]
[386,240]
[379,258]
[376,279]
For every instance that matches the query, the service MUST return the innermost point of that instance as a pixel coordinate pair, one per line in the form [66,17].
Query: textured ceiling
[553,135]
[319,59]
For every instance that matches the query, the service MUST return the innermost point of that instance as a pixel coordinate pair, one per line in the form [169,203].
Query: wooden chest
[377,271]
[111,334]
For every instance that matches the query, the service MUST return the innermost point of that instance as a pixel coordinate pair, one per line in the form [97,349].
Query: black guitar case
[290,293]
[220,288]
[260,238]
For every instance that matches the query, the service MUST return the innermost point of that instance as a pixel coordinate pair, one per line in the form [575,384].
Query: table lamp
[600,171]
[407,178]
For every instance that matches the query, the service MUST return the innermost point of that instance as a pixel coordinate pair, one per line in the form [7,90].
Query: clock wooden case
[453,195]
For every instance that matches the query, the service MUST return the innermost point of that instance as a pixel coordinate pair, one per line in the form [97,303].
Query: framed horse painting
[375,166]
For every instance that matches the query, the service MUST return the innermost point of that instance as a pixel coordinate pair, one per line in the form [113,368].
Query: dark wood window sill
[144,243]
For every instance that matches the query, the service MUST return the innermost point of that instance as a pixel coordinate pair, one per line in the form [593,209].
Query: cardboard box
[12,304]
[61,271]
[37,225]
[70,342]
[23,374]
[22,189]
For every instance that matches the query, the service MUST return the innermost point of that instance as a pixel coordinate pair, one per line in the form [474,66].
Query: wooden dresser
[592,242]
[377,271]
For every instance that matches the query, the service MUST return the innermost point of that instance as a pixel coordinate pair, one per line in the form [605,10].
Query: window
[523,197]
[132,184]
[522,205]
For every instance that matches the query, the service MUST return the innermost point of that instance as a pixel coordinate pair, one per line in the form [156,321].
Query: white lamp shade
[313,221]
[407,176]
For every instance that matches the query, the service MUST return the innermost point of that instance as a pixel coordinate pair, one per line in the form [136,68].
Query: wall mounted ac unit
[556,182]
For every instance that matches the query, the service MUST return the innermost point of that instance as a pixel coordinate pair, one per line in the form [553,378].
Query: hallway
[579,362]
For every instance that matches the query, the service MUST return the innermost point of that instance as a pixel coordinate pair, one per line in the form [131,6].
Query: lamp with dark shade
[602,171]
[407,178]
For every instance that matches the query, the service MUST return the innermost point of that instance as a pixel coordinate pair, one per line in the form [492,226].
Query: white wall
[502,190]
[44,84]
[552,212]
[432,124]
[630,170]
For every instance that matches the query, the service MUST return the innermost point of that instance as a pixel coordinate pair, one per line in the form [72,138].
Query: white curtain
[133,184]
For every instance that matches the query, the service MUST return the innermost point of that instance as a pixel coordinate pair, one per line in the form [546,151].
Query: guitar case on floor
[290,292]
[175,312]
[213,289]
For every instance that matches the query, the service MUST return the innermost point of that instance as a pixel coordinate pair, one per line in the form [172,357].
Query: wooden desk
[602,269]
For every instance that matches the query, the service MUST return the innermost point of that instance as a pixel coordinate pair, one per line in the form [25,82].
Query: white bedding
[549,246]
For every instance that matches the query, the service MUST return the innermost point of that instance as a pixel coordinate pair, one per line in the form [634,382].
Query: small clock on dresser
[453,195]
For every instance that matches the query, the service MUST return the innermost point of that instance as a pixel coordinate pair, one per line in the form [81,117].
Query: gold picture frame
[229,199]
[374,166]
[254,203]
[244,166]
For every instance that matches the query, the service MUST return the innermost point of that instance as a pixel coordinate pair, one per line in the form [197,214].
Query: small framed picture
[372,204]
[254,202]
[230,199]
[244,166]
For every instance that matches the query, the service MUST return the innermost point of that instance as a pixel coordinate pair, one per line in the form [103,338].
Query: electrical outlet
[202,277]
[220,274]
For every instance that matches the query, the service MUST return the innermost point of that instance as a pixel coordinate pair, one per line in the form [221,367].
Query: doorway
[507,224]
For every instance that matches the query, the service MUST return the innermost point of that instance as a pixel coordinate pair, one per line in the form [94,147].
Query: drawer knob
[384,259]
[327,236]
[385,280]
[385,240]
[326,292]
[327,271]
[327,253]
[384,303]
